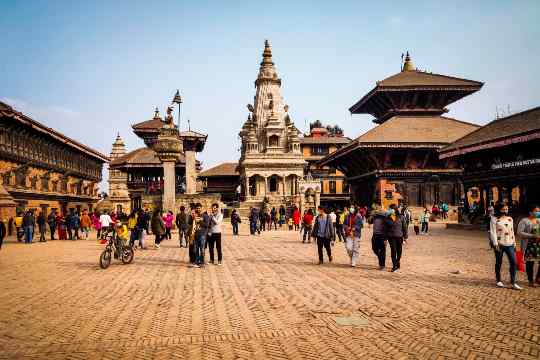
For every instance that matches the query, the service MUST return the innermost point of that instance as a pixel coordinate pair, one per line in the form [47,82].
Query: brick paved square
[268,300]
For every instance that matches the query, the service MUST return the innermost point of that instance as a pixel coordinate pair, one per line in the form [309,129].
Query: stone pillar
[191,172]
[169,186]
[317,200]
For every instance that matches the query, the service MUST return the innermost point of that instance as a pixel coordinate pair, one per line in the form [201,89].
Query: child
[291,223]
[416,225]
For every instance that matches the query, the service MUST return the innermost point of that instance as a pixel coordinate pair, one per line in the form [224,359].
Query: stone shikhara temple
[271,163]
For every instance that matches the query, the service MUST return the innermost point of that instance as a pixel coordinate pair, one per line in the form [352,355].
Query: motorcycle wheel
[127,255]
[105,259]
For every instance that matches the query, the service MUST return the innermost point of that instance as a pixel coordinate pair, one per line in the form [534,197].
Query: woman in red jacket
[296,218]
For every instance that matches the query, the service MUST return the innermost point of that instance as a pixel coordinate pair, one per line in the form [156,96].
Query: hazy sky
[91,69]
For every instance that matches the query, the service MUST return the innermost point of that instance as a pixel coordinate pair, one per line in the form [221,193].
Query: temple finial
[408,64]
[156,113]
[267,53]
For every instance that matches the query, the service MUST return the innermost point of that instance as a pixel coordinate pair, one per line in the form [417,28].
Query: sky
[92,69]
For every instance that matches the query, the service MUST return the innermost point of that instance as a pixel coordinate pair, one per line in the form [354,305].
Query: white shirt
[216,220]
[502,231]
[105,220]
[333,217]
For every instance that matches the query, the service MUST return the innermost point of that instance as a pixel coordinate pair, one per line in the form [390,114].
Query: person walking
[235,220]
[296,218]
[132,228]
[28,224]
[528,231]
[307,225]
[353,224]
[379,238]
[96,224]
[424,221]
[262,221]
[158,227]
[253,218]
[51,220]
[19,231]
[168,219]
[69,227]
[201,223]
[42,225]
[274,217]
[3,232]
[61,223]
[397,232]
[503,241]
[216,218]
[105,222]
[333,217]
[282,213]
[182,225]
[86,223]
[142,225]
[75,225]
[340,219]
[323,231]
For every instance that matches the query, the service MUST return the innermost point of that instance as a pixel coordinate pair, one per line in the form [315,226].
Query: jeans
[235,228]
[425,227]
[133,236]
[200,242]
[396,246]
[307,233]
[529,267]
[510,252]
[379,248]
[167,233]
[215,239]
[326,243]
[28,234]
[253,228]
[355,251]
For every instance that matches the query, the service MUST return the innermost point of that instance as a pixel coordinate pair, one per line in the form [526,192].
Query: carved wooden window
[332,186]
[33,182]
[45,183]
[20,178]
[6,178]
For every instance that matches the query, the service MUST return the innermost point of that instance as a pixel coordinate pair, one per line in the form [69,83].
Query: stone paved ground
[269,300]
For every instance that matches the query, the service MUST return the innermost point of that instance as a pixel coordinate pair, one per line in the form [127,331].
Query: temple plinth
[168,148]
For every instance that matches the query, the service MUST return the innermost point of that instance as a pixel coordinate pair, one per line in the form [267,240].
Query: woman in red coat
[296,218]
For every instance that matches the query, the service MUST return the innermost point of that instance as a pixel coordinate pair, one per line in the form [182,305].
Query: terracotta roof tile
[514,125]
[139,158]
[152,124]
[421,78]
[418,129]
[224,169]
[325,140]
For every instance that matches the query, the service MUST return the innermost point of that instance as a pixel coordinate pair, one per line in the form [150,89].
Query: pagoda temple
[397,161]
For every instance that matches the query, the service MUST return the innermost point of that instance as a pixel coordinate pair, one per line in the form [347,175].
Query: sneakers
[395,269]
[500,284]
[516,287]
[353,265]
[219,263]
[157,246]
[194,266]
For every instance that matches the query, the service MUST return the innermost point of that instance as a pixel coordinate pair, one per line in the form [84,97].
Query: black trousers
[324,242]
[379,248]
[159,237]
[396,246]
[1,241]
[53,229]
[70,233]
[529,267]
[425,227]
[235,228]
[191,249]
[340,233]
[215,239]
[42,230]
[167,233]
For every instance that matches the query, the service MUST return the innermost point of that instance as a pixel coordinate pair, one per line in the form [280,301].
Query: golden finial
[408,64]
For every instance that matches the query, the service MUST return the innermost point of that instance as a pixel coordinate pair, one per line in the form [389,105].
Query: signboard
[513,164]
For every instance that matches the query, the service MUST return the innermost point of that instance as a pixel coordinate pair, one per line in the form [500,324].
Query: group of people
[502,239]
[266,219]
[197,231]
[66,226]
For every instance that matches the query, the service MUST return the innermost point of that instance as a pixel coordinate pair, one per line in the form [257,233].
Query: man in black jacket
[397,232]
[51,220]
[323,231]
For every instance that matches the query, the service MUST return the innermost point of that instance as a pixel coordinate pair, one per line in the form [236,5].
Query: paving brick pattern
[268,300]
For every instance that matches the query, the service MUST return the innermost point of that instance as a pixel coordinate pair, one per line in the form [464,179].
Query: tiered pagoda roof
[413,92]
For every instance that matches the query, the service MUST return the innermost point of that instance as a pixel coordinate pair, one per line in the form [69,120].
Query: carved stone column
[168,147]
[191,172]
